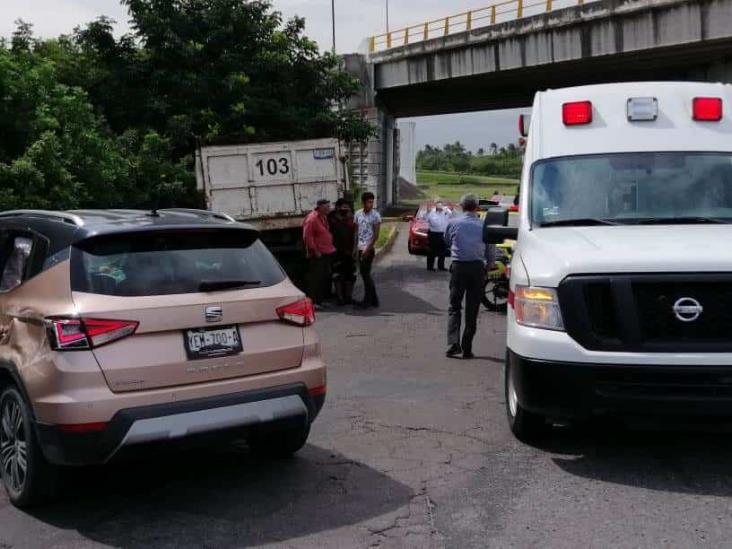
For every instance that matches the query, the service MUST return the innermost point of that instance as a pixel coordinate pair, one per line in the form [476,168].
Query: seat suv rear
[121,328]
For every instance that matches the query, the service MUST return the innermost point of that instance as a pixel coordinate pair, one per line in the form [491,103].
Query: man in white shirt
[437,221]
[368,226]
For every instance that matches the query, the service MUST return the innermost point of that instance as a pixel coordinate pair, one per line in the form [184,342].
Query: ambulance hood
[551,254]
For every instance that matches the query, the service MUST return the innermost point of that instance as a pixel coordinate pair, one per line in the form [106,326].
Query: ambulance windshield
[632,188]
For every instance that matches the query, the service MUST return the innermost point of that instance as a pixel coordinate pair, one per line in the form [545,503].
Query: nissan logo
[688,309]
[214,313]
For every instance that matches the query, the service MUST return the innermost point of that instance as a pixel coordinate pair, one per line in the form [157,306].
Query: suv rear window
[165,262]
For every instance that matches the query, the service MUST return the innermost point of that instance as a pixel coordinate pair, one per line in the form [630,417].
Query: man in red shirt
[319,249]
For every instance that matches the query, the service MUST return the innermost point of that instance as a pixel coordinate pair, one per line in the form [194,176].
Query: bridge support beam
[374,165]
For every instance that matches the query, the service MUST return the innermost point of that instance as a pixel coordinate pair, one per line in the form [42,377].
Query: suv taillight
[300,313]
[74,334]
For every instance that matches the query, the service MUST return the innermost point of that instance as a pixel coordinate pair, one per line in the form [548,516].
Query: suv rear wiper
[578,222]
[690,220]
[220,285]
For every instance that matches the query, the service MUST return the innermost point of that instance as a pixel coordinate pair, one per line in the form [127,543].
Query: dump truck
[273,186]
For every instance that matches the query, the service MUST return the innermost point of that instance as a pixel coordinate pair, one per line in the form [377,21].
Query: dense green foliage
[91,120]
[455,158]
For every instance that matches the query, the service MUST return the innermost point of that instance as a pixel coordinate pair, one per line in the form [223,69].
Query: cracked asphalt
[411,450]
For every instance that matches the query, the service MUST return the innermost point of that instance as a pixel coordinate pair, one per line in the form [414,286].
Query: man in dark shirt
[343,229]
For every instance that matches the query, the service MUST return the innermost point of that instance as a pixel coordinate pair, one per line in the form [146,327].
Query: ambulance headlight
[537,308]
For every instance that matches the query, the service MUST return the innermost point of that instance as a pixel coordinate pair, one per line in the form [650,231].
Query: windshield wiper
[579,222]
[220,285]
[690,220]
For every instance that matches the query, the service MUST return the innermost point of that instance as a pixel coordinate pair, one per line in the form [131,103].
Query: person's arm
[308,237]
[449,235]
[355,237]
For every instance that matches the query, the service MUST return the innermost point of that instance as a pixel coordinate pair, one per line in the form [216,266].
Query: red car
[417,242]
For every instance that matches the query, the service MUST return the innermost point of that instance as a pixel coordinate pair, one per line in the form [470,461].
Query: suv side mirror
[495,227]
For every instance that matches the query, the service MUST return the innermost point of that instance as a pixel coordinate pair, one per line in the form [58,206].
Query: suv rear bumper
[222,416]
[568,390]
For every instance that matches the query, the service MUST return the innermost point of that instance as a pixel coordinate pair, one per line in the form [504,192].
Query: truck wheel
[28,478]
[525,426]
[278,444]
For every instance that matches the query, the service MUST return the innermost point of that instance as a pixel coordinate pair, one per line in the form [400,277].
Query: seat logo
[687,309]
[214,313]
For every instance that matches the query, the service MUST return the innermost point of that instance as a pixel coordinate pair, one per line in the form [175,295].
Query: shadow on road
[223,498]
[690,462]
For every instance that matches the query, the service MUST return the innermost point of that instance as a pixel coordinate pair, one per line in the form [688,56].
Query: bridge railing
[494,14]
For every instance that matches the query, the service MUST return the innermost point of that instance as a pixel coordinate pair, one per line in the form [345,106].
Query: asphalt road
[412,450]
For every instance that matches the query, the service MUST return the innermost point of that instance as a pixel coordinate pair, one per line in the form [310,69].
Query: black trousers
[365,264]
[438,249]
[319,277]
[466,282]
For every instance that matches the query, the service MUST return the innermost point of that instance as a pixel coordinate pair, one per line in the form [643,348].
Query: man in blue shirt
[464,238]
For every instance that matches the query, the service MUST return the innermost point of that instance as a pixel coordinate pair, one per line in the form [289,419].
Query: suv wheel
[525,426]
[27,476]
[278,444]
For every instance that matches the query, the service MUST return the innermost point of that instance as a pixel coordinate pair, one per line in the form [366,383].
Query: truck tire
[525,426]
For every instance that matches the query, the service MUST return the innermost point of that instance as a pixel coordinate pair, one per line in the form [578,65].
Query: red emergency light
[577,113]
[707,109]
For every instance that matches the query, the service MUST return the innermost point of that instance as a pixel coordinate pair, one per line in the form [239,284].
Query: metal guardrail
[501,12]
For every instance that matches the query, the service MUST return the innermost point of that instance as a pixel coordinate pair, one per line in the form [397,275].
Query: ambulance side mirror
[495,227]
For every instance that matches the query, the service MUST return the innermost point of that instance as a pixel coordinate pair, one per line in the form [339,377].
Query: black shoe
[443,269]
[453,351]
[432,270]
[361,305]
[319,307]
[468,355]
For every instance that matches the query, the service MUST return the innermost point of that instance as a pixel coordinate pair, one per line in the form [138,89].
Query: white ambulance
[621,282]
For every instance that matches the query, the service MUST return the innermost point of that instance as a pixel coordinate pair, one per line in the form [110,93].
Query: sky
[355,21]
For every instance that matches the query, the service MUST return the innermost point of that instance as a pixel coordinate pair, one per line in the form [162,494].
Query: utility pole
[387,15]
[332,13]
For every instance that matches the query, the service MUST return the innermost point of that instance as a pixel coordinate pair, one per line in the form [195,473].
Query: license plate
[213,342]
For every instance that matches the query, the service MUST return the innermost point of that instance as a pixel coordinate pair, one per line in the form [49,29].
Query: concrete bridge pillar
[374,165]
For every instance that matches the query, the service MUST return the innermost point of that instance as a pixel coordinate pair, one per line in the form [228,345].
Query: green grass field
[387,229]
[451,186]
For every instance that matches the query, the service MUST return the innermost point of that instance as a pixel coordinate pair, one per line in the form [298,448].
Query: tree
[455,158]
[55,152]
[94,120]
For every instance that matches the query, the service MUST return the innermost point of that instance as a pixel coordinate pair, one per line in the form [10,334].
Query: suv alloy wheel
[27,476]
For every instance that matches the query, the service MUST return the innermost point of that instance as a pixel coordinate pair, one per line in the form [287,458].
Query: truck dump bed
[271,185]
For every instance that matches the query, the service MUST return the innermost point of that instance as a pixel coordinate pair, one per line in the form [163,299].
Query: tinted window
[15,263]
[163,262]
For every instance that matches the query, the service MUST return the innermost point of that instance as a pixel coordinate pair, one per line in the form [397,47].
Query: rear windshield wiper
[690,220]
[578,222]
[220,285]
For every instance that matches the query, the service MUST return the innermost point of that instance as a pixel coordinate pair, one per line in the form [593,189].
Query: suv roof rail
[199,213]
[64,217]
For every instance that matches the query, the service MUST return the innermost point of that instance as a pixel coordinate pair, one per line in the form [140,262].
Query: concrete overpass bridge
[499,56]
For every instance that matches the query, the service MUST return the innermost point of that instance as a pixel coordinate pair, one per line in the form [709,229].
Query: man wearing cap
[319,249]
[464,237]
